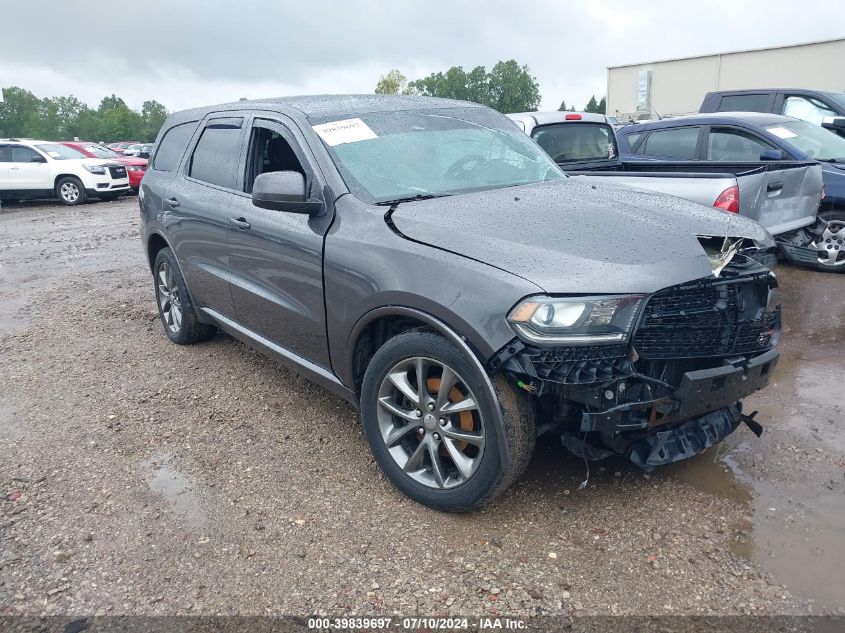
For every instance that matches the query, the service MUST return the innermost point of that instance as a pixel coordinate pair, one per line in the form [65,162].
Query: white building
[677,86]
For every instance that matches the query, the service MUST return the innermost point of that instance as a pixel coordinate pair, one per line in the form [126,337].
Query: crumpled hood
[577,236]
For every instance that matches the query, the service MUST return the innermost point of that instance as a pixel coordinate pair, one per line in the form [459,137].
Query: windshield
[384,156]
[838,98]
[813,140]
[570,142]
[57,151]
[99,151]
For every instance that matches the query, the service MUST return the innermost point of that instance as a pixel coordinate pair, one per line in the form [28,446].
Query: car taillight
[573,117]
[728,200]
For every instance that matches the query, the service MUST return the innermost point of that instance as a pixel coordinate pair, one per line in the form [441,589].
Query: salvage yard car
[782,196]
[749,137]
[818,107]
[41,169]
[428,262]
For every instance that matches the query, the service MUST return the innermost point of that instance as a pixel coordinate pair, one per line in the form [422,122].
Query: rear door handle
[774,186]
[240,223]
[172,203]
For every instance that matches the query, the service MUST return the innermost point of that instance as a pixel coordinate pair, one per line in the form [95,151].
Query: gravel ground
[140,477]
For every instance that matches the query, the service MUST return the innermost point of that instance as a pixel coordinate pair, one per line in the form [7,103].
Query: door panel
[276,257]
[781,198]
[23,173]
[196,211]
[198,229]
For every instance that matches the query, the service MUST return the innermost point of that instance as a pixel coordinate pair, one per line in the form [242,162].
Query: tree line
[22,114]
[507,87]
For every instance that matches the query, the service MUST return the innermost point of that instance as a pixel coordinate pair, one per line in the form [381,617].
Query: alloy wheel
[168,297]
[69,191]
[430,422]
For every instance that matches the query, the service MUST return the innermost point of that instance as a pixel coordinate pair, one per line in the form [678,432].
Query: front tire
[429,423]
[70,191]
[830,244]
[175,308]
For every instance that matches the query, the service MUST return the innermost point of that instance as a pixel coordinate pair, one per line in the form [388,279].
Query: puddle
[798,540]
[176,489]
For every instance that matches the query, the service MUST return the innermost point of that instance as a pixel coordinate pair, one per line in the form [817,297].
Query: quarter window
[215,158]
[745,103]
[675,143]
[632,140]
[172,146]
[733,145]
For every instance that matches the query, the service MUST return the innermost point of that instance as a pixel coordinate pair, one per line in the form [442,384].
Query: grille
[117,172]
[581,365]
[700,321]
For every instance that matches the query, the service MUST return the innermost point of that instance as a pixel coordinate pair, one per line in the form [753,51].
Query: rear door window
[728,144]
[681,142]
[215,158]
[172,146]
[760,102]
[24,155]
[570,142]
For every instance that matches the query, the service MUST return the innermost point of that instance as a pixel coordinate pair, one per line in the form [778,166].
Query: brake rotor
[465,420]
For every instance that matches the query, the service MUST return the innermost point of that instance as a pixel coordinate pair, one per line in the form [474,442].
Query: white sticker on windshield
[54,154]
[782,132]
[346,131]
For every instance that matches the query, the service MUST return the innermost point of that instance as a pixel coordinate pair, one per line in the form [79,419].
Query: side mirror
[283,191]
[771,154]
[37,159]
[834,123]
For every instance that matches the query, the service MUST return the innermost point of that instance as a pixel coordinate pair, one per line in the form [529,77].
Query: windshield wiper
[831,160]
[414,198]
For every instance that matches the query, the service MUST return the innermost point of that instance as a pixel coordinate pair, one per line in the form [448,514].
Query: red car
[135,167]
[118,147]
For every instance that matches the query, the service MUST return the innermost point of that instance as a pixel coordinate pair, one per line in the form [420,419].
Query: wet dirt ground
[138,477]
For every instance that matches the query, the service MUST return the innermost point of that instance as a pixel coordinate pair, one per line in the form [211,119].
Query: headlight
[95,169]
[575,320]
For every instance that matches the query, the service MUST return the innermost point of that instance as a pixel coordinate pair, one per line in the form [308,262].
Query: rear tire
[442,451]
[175,308]
[70,191]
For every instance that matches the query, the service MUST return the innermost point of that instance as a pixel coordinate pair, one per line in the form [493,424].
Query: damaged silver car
[427,261]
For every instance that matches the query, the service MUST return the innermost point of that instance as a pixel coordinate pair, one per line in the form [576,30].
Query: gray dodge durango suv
[425,260]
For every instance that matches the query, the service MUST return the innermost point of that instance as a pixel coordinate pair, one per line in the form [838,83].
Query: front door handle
[240,223]
[172,203]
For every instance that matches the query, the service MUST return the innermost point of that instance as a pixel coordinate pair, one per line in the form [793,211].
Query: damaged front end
[672,387]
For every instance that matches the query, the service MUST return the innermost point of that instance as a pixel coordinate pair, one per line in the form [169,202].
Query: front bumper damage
[675,388]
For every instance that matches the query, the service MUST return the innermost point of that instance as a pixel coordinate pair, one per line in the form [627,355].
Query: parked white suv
[39,169]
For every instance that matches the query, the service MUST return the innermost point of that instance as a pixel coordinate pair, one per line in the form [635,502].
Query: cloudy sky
[185,53]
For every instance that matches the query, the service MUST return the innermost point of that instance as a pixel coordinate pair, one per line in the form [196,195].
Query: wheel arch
[60,176]
[155,242]
[413,318]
